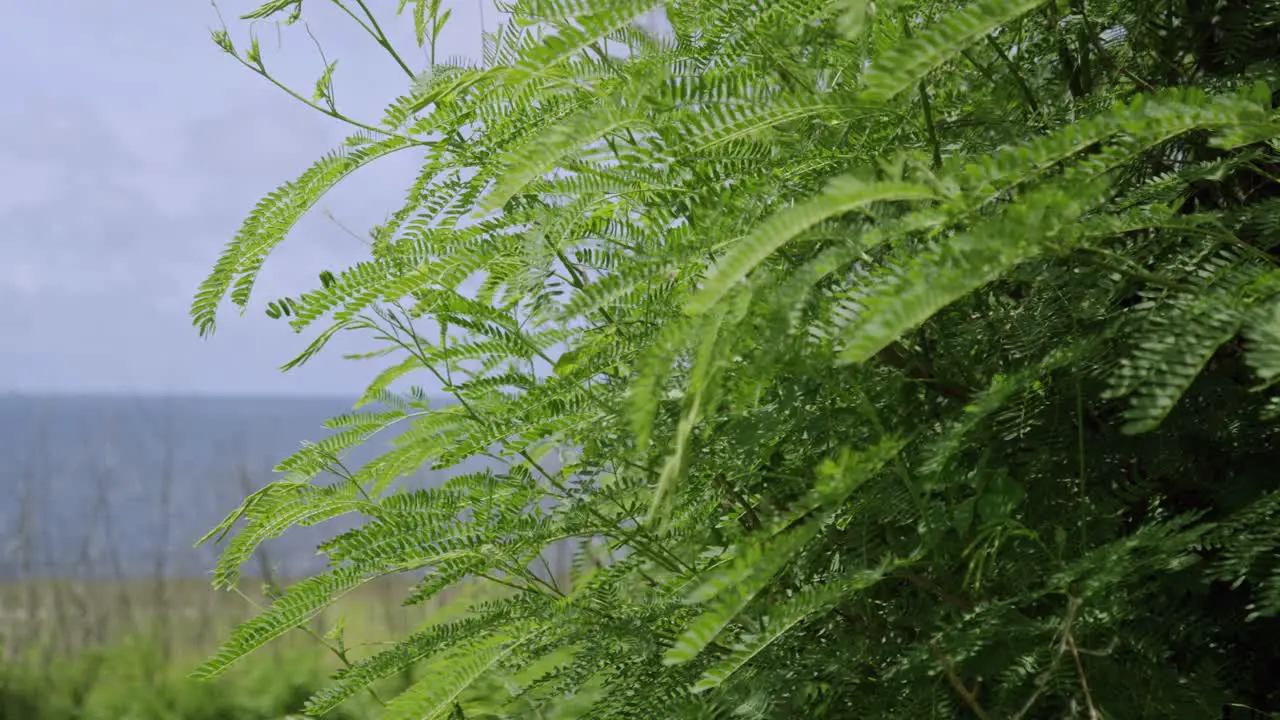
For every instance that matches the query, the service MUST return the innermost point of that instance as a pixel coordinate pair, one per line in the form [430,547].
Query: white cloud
[26,183]
[132,157]
[23,277]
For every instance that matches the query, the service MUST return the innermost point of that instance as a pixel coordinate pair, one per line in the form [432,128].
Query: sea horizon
[121,485]
[184,394]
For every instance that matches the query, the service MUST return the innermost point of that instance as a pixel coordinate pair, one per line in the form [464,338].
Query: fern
[943,40]
[271,220]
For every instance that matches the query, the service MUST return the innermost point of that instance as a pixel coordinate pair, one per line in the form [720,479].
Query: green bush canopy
[876,360]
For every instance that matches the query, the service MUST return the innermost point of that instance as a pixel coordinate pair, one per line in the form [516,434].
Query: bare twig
[1070,643]
[1066,644]
[926,103]
[376,33]
[956,684]
[1025,89]
[331,112]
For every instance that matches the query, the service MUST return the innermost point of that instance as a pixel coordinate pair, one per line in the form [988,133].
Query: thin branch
[329,214]
[936,146]
[1083,65]
[555,586]
[1022,83]
[1042,682]
[982,69]
[652,550]
[500,581]
[376,32]
[1119,263]
[333,93]
[331,113]
[1096,42]
[338,652]
[749,520]
[965,694]
[1070,643]
[927,102]
[895,358]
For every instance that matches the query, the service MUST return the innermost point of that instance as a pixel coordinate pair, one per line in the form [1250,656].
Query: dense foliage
[908,359]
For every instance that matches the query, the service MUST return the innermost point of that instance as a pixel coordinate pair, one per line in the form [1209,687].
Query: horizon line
[195,394]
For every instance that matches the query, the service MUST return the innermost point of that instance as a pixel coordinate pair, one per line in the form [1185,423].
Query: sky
[131,148]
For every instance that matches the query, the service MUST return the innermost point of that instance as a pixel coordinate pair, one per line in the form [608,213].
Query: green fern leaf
[953,268]
[295,607]
[449,675]
[271,220]
[909,61]
[732,589]
[779,620]
[840,196]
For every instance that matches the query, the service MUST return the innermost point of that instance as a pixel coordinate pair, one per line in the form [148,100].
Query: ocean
[122,487]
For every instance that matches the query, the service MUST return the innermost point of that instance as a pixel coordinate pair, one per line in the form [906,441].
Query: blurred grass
[121,650]
[131,680]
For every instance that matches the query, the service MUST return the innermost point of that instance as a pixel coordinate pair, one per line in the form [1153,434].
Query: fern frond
[955,267]
[840,196]
[1180,336]
[271,220]
[732,588]
[295,607]
[449,675]
[941,41]
[780,619]
[405,654]
[1262,332]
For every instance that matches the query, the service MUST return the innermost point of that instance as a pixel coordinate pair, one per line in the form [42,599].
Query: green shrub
[905,359]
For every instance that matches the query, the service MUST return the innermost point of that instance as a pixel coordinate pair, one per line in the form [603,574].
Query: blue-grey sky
[130,150]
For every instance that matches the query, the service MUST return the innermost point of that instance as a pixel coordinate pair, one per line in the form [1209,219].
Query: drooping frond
[942,40]
[272,219]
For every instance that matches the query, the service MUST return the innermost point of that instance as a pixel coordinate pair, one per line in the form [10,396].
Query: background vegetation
[127,658]
[104,604]
[105,607]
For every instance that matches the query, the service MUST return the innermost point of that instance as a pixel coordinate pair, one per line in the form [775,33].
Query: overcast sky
[130,150]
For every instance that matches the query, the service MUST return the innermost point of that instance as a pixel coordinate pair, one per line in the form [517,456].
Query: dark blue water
[123,486]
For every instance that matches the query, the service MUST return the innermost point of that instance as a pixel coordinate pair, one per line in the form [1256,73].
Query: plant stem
[956,684]
[376,33]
